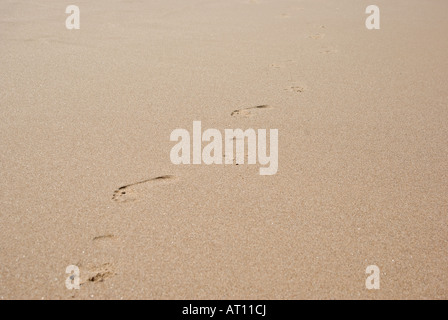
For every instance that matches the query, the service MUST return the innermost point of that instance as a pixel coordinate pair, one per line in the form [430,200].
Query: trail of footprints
[134,191]
[131,192]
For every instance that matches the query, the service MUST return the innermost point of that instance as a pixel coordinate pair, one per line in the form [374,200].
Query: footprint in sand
[104,238]
[235,160]
[133,191]
[98,273]
[249,112]
[295,89]
[234,157]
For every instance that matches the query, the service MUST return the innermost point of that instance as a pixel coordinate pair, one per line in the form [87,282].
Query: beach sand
[362,178]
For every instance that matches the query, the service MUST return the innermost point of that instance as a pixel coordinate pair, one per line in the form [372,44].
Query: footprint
[98,273]
[104,237]
[131,191]
[248,112]
[296,89]
[234,159]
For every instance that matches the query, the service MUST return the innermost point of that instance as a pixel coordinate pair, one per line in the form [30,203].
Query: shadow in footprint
[104,237]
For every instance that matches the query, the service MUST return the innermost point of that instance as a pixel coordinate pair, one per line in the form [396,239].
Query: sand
[362,177]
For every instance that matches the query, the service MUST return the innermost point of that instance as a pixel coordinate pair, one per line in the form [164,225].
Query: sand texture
[86,176]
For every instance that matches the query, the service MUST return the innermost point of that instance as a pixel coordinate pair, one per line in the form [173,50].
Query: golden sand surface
[363,149]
